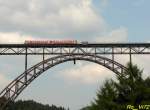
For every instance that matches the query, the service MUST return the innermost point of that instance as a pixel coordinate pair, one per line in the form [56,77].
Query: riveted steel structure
[62,53]
[109,48]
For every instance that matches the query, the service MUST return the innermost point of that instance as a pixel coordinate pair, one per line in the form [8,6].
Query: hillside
[32,105]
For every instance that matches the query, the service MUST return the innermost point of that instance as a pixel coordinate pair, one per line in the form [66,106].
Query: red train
[51,42]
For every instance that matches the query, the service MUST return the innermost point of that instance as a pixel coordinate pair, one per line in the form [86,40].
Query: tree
[129,89]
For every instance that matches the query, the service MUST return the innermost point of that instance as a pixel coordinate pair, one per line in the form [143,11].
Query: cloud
[143,63]
[89,73]
[86,73]
[116,35]
[76,19]
[13,38]
[50,18]
[60,19]
[63,19]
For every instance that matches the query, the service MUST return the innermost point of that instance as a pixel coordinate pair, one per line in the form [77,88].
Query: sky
[100,21]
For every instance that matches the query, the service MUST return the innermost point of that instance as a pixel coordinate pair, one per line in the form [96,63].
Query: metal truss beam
[129,48]
[12,91]
[65,52]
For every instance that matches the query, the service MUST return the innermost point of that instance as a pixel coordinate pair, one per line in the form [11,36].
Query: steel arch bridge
[96,53]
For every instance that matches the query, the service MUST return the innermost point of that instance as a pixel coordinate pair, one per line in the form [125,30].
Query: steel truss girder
[20,49]
[12,91]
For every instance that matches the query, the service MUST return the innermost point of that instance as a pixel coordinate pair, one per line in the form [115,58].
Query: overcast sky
[70,85]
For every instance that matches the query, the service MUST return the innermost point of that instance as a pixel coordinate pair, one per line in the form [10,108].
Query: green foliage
[31,105]
[129,89]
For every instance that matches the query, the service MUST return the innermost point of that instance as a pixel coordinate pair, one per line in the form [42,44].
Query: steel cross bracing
[97,53]
[11,92]
[20,49]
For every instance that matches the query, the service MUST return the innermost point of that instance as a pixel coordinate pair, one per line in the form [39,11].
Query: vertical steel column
[130,56]
[61,50]
[26,64]
[43,57]
[74,61]
[104,54]
[95,53]
[95,50]
[113,57]
[131,61]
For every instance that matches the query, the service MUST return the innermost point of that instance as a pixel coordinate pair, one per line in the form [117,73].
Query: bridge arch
[13,90]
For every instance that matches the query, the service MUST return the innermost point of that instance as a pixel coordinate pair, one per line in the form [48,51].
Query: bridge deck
[76,45]
[95,48]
